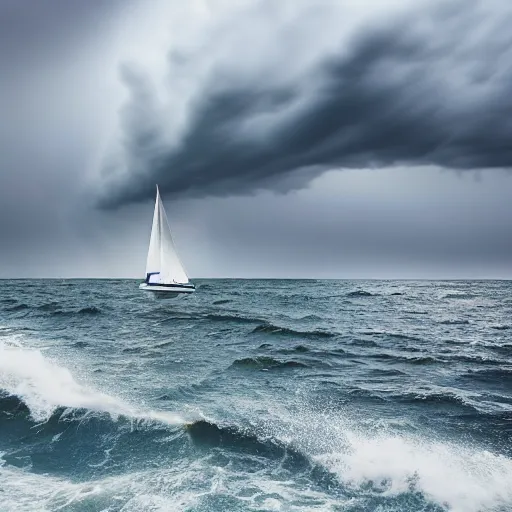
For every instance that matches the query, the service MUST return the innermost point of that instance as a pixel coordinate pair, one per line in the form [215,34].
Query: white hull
[166,291]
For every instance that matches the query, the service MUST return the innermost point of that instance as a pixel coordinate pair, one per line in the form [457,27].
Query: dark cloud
[431,87]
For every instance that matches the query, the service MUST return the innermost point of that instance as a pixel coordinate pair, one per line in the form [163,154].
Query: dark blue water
[256,395]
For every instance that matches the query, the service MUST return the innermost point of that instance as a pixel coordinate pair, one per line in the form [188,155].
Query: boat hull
[167,291]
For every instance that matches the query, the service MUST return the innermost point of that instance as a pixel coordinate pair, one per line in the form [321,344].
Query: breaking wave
[334,453]
[45,387]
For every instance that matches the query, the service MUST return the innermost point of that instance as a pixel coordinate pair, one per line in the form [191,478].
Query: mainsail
[162,256]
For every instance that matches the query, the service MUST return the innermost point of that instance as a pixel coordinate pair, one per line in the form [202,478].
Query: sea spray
[44,386]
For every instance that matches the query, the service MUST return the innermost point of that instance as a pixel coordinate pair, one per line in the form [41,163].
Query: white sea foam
[456,476]
[162,489]
[461,478]
[44,385]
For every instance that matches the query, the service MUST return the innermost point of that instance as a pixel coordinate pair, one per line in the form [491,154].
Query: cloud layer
[428,85]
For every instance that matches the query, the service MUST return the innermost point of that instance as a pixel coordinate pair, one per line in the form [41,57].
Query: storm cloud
[426,86]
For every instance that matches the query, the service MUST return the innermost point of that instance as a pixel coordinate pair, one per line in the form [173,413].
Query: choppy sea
[256,395]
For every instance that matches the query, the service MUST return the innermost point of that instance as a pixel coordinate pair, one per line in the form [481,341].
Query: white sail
[153,261]
[162,255]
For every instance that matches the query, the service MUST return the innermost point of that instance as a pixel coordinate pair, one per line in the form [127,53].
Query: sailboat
[165,275]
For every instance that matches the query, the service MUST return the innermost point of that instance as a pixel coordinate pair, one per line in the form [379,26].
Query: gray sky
[289,139]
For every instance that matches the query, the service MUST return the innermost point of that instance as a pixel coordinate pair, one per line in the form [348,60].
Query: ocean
[256,395]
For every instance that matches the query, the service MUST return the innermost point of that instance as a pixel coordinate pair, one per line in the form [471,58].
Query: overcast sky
[299,138]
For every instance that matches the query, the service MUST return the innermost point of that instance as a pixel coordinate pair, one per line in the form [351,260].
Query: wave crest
[17,307]
[459,296]
[265,362]
[360,293]
[269,328]
[44,387]
[89,310]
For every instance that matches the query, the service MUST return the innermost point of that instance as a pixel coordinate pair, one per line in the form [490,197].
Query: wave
[173,317]
[417,474]
[80,344]
[163,344]
[15,329]
[459,296]
[269,328]
[299,349]
[325,448]
[18,307]
[505,349]
[45,387]
[8,301]
[17,408]
[500,327]
[437,398]
[477,359]
[367,465]
[89,310]
[380,471]
[221,301]
[401,336]
[265,362]
[419,360]
[497,376]
[396,335]
[232,318]
[11,404]
[134,350]
[454,322]
[384,372]
[53,309]
[360,293]
[50,306]
[79,442]
[206,286]
[311,318]
[233,437]
[361,342]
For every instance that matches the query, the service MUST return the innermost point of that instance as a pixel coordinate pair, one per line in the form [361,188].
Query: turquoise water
[256,395]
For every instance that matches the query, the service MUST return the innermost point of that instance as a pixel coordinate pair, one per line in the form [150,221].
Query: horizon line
[45,278]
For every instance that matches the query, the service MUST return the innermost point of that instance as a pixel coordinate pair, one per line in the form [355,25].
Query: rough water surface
[256,395]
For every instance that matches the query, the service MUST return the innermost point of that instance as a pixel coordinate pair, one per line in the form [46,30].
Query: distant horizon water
[274,278]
